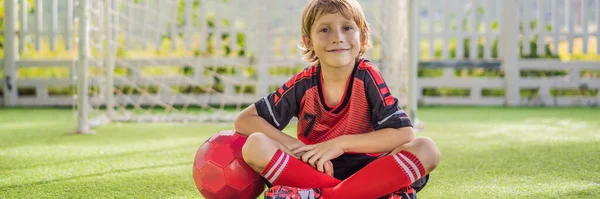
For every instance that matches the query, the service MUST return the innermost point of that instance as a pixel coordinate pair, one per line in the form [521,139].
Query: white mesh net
[205,60]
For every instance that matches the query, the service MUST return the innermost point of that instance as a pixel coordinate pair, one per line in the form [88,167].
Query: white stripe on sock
[410,174]
[412,164]
[275,165]
[287,157]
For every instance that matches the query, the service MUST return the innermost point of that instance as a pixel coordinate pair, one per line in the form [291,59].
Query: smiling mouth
[338,50]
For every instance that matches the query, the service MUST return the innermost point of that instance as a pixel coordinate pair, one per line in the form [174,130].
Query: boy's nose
[338,41]
[338,37]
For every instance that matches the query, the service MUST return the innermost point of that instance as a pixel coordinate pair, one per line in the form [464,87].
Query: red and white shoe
[285,192]
[404,193]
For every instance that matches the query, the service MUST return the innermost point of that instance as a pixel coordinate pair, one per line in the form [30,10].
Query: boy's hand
[291,145]
[318,154]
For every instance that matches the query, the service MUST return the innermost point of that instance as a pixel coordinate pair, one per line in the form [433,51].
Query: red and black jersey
[367,105]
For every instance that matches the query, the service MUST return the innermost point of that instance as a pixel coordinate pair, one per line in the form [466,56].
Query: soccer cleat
[285,192]
[404,193]
[400,195]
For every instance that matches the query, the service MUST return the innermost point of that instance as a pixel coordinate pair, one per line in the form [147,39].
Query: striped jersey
[367,105]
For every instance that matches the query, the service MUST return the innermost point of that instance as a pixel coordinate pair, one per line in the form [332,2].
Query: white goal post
[205,60]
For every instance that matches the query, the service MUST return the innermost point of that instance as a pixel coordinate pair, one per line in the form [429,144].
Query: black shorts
[348,164]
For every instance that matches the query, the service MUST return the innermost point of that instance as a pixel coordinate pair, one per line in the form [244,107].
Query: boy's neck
[336,75]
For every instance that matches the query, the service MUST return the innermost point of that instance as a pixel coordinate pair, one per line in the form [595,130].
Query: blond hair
[350,9]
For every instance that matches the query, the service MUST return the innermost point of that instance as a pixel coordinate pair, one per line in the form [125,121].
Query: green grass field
[486,153]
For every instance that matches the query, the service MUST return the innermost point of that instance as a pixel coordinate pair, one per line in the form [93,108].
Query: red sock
[384,176]
[286,170]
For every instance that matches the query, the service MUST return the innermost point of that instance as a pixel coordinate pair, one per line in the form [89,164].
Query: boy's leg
[421,182]
[265,156]
[389,173]
[348,164]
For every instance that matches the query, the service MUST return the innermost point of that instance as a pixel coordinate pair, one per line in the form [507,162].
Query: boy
[353,139]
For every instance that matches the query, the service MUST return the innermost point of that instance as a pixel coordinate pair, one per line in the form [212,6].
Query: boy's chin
[339,62]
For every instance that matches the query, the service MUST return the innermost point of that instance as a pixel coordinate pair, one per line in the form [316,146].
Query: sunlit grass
[486,153]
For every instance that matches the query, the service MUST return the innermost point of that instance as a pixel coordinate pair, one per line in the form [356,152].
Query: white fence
[440,23]
[547,24]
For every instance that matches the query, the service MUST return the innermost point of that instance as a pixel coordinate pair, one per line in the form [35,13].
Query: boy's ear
[306,42]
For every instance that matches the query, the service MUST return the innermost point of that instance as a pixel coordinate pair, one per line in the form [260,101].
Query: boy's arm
[392,126]
[271,114]
[248,122]
[379,141]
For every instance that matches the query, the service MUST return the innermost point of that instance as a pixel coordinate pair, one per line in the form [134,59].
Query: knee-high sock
[285,170]
[379,178]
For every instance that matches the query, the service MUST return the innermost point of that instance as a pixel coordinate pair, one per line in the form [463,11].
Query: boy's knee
[427,152]
[258,150]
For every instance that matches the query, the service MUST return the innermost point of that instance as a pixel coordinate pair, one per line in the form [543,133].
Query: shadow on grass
[591,192]
[58,133]
[116,171]
[100,157]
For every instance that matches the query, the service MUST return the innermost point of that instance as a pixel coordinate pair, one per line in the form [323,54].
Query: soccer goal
[206,60]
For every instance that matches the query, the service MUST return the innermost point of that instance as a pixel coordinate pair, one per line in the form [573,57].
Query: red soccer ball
[221,172]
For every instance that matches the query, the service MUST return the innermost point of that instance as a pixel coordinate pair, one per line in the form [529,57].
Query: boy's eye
[324,30]
[348,28]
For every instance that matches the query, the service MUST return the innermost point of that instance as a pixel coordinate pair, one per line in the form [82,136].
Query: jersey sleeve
[386,112]
[280,106]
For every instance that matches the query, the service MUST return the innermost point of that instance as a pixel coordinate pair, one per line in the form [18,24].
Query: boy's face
[335,40]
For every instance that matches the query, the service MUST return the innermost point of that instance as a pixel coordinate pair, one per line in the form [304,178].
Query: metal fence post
[392,52]
[509,45]
[110,52]
[413,59]
[10,53]
[82,64]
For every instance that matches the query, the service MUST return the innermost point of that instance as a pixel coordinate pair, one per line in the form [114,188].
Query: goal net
[206,60]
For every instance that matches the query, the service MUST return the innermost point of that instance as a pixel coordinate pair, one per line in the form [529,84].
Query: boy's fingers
[303,148]
[287,151]
[328,166]
[298,155]
[294,147]
[320,165]
[307,155]
[313,160]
